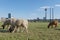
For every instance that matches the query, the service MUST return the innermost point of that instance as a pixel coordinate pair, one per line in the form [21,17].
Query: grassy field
[37,31]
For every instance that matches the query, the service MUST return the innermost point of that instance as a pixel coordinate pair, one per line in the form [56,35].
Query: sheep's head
[3,26]
[11,28]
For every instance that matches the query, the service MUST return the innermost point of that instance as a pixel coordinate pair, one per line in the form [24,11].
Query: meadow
[37,31]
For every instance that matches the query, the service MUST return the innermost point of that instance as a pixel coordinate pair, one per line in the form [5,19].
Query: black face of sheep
[11,29]
[3,26]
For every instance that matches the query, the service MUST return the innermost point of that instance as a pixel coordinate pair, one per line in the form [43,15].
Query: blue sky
[29,9]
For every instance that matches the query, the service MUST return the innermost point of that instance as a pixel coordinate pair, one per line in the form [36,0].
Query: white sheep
[18,24]
[8,22]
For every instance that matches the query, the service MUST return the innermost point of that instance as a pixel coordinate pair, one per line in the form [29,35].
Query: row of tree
[41,20]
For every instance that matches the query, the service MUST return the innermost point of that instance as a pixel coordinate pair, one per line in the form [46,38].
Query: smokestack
[52,13]
[45,13]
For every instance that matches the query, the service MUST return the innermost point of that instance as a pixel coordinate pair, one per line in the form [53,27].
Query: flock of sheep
[14,24]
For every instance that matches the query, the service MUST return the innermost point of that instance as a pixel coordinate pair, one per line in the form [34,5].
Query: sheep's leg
[26,29]
[22,29]
[14,30]
[17,29]
[8,26]
[55,25]
[49,25]
[3,25]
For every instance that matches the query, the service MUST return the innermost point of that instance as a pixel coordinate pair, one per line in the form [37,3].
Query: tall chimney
[45,13]
[52,13]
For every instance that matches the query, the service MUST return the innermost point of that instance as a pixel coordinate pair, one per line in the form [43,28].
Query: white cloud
[33,15]
[45,7]
[57,5]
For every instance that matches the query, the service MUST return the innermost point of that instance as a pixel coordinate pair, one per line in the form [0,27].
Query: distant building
[9,15]
[44,18]
[38,19]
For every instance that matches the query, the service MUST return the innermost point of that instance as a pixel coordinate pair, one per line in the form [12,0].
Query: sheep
[8,22]
[18,24]
[54,22]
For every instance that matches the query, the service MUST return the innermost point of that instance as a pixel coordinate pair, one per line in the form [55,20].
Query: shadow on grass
[3,30]
[57,29]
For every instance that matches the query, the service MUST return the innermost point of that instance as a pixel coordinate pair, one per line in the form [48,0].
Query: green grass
[37,31]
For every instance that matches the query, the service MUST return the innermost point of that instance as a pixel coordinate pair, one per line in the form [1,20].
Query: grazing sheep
[18,24]
[8,22]
[11,28]
[54,22]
